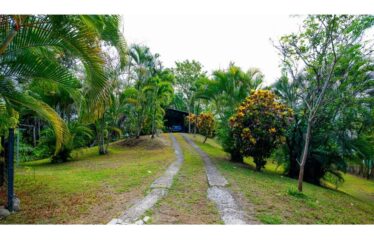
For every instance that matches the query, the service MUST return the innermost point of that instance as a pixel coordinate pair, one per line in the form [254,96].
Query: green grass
[91,188]
[360,188]
[186,202]
[275,199]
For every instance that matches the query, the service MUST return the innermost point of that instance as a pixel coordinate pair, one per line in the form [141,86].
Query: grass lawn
[276,200]
[187,202]
[91,188]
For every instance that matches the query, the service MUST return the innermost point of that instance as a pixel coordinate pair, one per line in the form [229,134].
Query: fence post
[2,160]
[10,169]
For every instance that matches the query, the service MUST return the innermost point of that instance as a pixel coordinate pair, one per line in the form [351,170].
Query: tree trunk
[139,123]
[101,143]
[260,163]
[236,156]
[304,156]
[101,140]
[153,124]
[189,121]
[205,139]
[195,122]
[107,143]
[138,134]
[34,134]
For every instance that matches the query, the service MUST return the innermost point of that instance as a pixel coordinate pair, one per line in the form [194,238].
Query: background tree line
[327,82]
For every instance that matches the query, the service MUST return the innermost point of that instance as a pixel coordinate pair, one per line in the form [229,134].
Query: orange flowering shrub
[259,125]
[205,125]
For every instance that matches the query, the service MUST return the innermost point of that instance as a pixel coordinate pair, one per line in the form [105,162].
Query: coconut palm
[35,48]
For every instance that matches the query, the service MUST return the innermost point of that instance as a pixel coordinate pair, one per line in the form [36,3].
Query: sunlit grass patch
[276,199]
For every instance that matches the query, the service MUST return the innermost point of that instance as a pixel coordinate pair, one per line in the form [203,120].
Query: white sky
[213,40]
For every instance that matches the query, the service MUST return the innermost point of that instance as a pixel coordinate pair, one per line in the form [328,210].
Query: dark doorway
[175,120]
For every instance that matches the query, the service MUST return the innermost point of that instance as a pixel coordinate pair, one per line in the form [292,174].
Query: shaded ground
[275,198]
[187,202]
[92,189]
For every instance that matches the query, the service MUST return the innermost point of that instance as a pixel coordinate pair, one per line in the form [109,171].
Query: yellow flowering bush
[259,125]
[191,119]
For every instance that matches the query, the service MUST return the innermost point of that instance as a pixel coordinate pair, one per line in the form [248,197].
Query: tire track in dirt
[159,189]
[230,210]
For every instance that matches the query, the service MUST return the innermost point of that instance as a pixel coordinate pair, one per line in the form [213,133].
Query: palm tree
[33,48]
[226,90]
[158,91]
[144,65]
[229,88]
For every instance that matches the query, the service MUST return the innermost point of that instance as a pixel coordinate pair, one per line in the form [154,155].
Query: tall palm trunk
[195,123]
[101,140]
[189,121]
[139,129]
[153,123]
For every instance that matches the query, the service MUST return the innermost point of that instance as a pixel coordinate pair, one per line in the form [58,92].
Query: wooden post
[2,161]
[10,169]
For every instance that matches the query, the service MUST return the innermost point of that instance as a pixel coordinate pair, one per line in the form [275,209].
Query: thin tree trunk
[107,143]
[260,163]
[195,123]
[153,124]
[236,156]
[138,131]
[34,134]
[38,135]
[189,121]
[205,139]
[304,156]
[101,142]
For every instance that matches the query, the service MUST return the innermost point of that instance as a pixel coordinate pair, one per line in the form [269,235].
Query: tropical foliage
[149,92]
[36,50]
[225,91]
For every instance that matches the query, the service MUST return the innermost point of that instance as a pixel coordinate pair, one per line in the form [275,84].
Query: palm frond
[42,109]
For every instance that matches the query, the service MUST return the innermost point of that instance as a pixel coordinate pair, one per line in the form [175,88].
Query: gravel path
[230,210]
[159,188]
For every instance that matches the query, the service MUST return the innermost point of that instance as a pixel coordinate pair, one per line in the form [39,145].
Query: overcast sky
[213,40]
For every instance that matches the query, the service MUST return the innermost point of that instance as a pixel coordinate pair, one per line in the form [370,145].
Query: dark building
[174,120]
